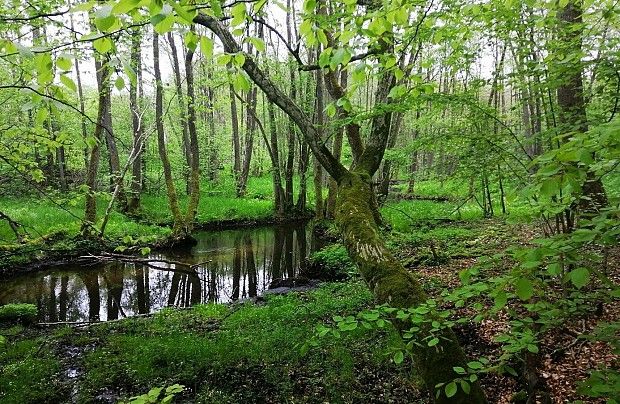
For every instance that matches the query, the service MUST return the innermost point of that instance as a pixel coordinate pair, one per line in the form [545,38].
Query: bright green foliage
[158,395]
[22,313]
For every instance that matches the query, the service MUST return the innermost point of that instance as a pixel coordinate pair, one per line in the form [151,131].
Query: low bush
[18,313]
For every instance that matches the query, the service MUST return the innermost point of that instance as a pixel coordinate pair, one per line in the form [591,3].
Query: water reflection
[230,265]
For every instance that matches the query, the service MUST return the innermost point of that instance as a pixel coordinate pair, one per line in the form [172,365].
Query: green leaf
[259,6]
[550,187]
[216,6]
[241,83]
[102,45]
[185,14]
[107,24]
[238,12]
[206,46]
[500,300]
[433,342]
[41,116]
[397,91]
[258,43]
[399,357]
[239,59]
[63,63]
[524,289]
[163,25]
[474,365]
[119,83]
[87,6]
[66,80]
[451,389]
[554,269]
[341,56]
[309,6]
[330,110]
[191,40]
[401,16]
[224,59]
[325,57]
[580,277]
[125,6]
[460,370]
[320,34]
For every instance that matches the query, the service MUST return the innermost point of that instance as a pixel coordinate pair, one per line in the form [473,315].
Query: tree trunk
[182,111]
[194,153]
[236,142]
[133,204]
[108,133]
[393,285]
[571,100]
[90,209]
[278,191]
[250,128]
[356,216]
[318,170]
[178,225]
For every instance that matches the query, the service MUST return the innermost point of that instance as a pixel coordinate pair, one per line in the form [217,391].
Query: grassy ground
[253,352]
[244,353]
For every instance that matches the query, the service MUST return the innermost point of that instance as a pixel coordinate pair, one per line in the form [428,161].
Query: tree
[356,211]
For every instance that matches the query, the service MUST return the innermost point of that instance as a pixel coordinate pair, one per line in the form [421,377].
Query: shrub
[330,263]
[18,312]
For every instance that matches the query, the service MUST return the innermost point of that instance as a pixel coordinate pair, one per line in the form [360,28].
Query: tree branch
[278,97]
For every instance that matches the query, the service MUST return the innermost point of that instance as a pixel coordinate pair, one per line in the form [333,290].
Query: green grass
[244,353]
[28,371]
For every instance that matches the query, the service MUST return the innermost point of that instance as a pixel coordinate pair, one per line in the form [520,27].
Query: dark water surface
[233,265]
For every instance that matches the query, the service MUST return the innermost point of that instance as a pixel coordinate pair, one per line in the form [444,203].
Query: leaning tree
[369,41]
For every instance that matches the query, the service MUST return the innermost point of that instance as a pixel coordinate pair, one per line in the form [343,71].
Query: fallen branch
[14,225]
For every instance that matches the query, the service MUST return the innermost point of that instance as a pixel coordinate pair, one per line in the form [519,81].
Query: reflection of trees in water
[113,277]
[250,265]
[185,290]
[91,283]
[142,289]
[237,265]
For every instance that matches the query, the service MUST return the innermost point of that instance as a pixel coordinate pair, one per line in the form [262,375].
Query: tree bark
[571,100]
[236,142]
[133,204]
[90,209]
[356,216]
[178,225]
[194,153]
[185,141]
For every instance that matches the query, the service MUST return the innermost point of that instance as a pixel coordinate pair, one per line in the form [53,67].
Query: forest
[317,201]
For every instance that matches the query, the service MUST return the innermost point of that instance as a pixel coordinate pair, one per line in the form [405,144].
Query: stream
[231,265]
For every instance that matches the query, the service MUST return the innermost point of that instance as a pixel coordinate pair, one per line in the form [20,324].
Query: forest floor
[254,351]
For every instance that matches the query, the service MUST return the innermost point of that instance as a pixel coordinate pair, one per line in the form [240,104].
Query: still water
[231,265]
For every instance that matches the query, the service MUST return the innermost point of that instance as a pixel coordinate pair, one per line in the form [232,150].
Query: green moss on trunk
[391,284]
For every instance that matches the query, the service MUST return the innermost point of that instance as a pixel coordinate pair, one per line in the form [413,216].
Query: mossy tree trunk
[392,284]
[173,200]
[356,215]
[194,152]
